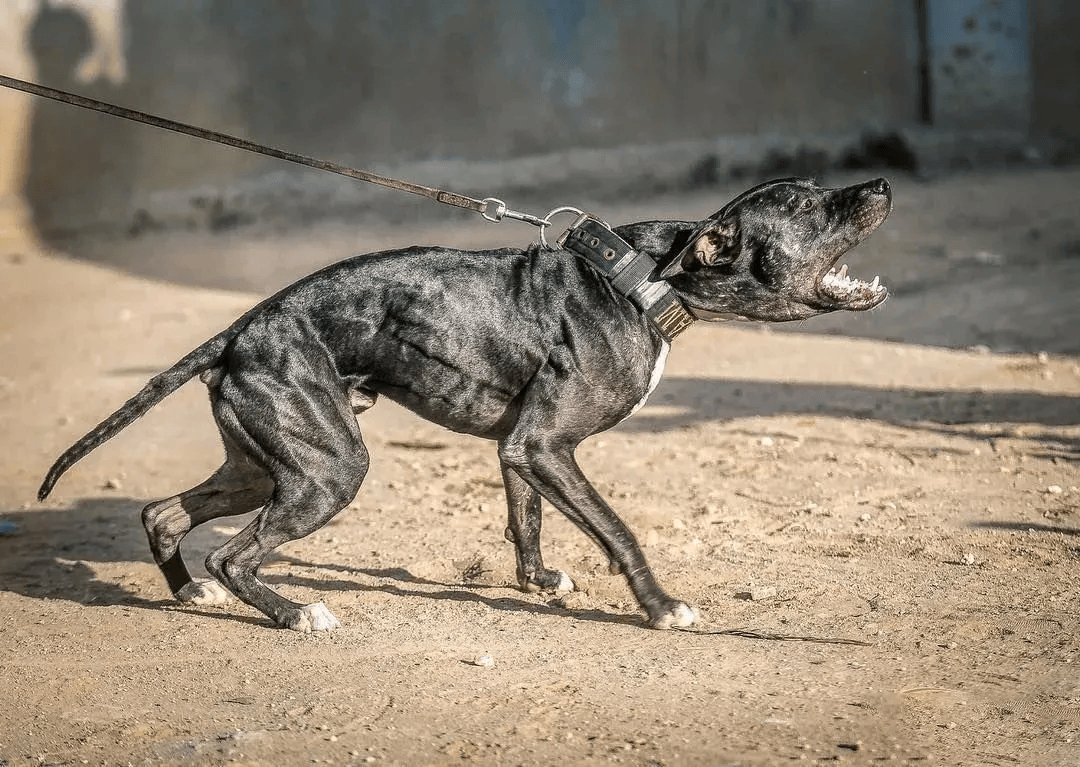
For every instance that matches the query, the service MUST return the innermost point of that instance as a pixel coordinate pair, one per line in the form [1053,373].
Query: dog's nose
[880,186]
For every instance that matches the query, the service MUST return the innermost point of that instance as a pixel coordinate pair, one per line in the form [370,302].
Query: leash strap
[490,208]
[628,271]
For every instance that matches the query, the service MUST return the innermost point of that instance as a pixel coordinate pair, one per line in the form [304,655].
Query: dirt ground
[906,479]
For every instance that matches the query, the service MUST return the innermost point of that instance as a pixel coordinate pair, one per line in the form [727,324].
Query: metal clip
[547,222]
[495,210]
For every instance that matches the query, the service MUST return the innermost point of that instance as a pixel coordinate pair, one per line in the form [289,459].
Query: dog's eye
[807,204]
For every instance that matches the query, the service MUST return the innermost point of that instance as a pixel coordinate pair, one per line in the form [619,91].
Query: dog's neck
[663,240]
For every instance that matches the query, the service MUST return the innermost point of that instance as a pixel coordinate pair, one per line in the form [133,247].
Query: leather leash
[490,208]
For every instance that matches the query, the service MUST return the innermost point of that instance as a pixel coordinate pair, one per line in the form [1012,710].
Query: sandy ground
[906,479]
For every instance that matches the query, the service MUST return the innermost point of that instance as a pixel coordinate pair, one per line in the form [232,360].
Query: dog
[530,348]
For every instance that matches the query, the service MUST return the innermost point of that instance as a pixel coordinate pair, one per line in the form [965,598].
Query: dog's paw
[677,616]
[204,592]
[550,580]
[314,617]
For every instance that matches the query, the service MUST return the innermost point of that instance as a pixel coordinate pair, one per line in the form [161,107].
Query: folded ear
[715,243]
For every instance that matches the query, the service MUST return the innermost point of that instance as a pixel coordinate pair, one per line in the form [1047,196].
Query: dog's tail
[158,388]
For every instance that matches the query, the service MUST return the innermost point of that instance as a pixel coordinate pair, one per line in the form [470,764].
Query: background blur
[543,103]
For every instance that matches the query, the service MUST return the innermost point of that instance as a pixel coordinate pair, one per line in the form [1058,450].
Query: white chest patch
[654,379]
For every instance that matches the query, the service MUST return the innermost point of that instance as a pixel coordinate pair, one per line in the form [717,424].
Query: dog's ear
[715,243]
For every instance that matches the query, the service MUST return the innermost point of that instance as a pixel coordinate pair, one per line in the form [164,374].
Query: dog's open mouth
[850,293]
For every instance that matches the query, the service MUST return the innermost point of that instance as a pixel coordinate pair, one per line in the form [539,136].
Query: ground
[906,479]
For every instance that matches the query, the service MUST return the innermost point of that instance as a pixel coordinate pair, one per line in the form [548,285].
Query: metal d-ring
[545,222]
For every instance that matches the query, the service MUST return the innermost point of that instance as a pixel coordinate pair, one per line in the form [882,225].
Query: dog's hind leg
[304,432]
[523,530]
[238,487]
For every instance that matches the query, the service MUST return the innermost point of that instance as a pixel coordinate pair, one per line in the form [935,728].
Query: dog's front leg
[524,518]
[548,466]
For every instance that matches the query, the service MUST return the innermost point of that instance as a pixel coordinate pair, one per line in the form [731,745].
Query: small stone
[113,483]
[1043,358]
[968,558]
[651,538]
[758,593]
[484,661]
[575,600]
[1055,490]
[865,517]
[767,442]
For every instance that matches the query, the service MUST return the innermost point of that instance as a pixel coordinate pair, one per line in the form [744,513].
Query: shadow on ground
[51,552]
[1014,414]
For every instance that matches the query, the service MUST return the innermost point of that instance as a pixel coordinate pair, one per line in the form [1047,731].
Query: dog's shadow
[52,553]
[396,581]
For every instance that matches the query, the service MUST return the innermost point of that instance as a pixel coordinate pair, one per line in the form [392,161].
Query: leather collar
[629,273]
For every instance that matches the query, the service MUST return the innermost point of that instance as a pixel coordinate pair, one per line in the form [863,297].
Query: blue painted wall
[980,63]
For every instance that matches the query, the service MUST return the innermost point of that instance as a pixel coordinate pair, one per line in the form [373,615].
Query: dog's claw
[203,592]
[313,617]
[679,616]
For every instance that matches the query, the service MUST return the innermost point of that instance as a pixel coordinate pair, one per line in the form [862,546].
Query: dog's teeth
[843,271]
[876,283]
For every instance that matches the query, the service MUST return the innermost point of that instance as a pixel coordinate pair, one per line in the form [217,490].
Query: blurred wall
[979,62]
[1055,67]
[384,83]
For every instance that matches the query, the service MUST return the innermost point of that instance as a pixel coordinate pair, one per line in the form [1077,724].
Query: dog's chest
[654,379]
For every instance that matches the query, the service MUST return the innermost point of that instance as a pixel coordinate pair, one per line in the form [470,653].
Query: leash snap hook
[494,209]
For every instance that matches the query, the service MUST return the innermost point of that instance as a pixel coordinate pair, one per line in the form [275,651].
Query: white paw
[204,593]
[564,586]
[314,617]
[679,616]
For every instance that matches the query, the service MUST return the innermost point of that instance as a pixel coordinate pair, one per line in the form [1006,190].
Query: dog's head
[772,253]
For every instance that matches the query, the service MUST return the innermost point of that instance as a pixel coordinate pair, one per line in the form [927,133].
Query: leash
[491,208]
[589,237]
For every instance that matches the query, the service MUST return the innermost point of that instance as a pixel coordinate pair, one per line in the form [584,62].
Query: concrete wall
[979,63]
[382,84]
[1055,67]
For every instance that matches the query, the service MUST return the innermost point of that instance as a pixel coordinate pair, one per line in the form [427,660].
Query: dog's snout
[880,186]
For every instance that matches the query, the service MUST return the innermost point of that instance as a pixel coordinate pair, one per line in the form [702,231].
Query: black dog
[531,348]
